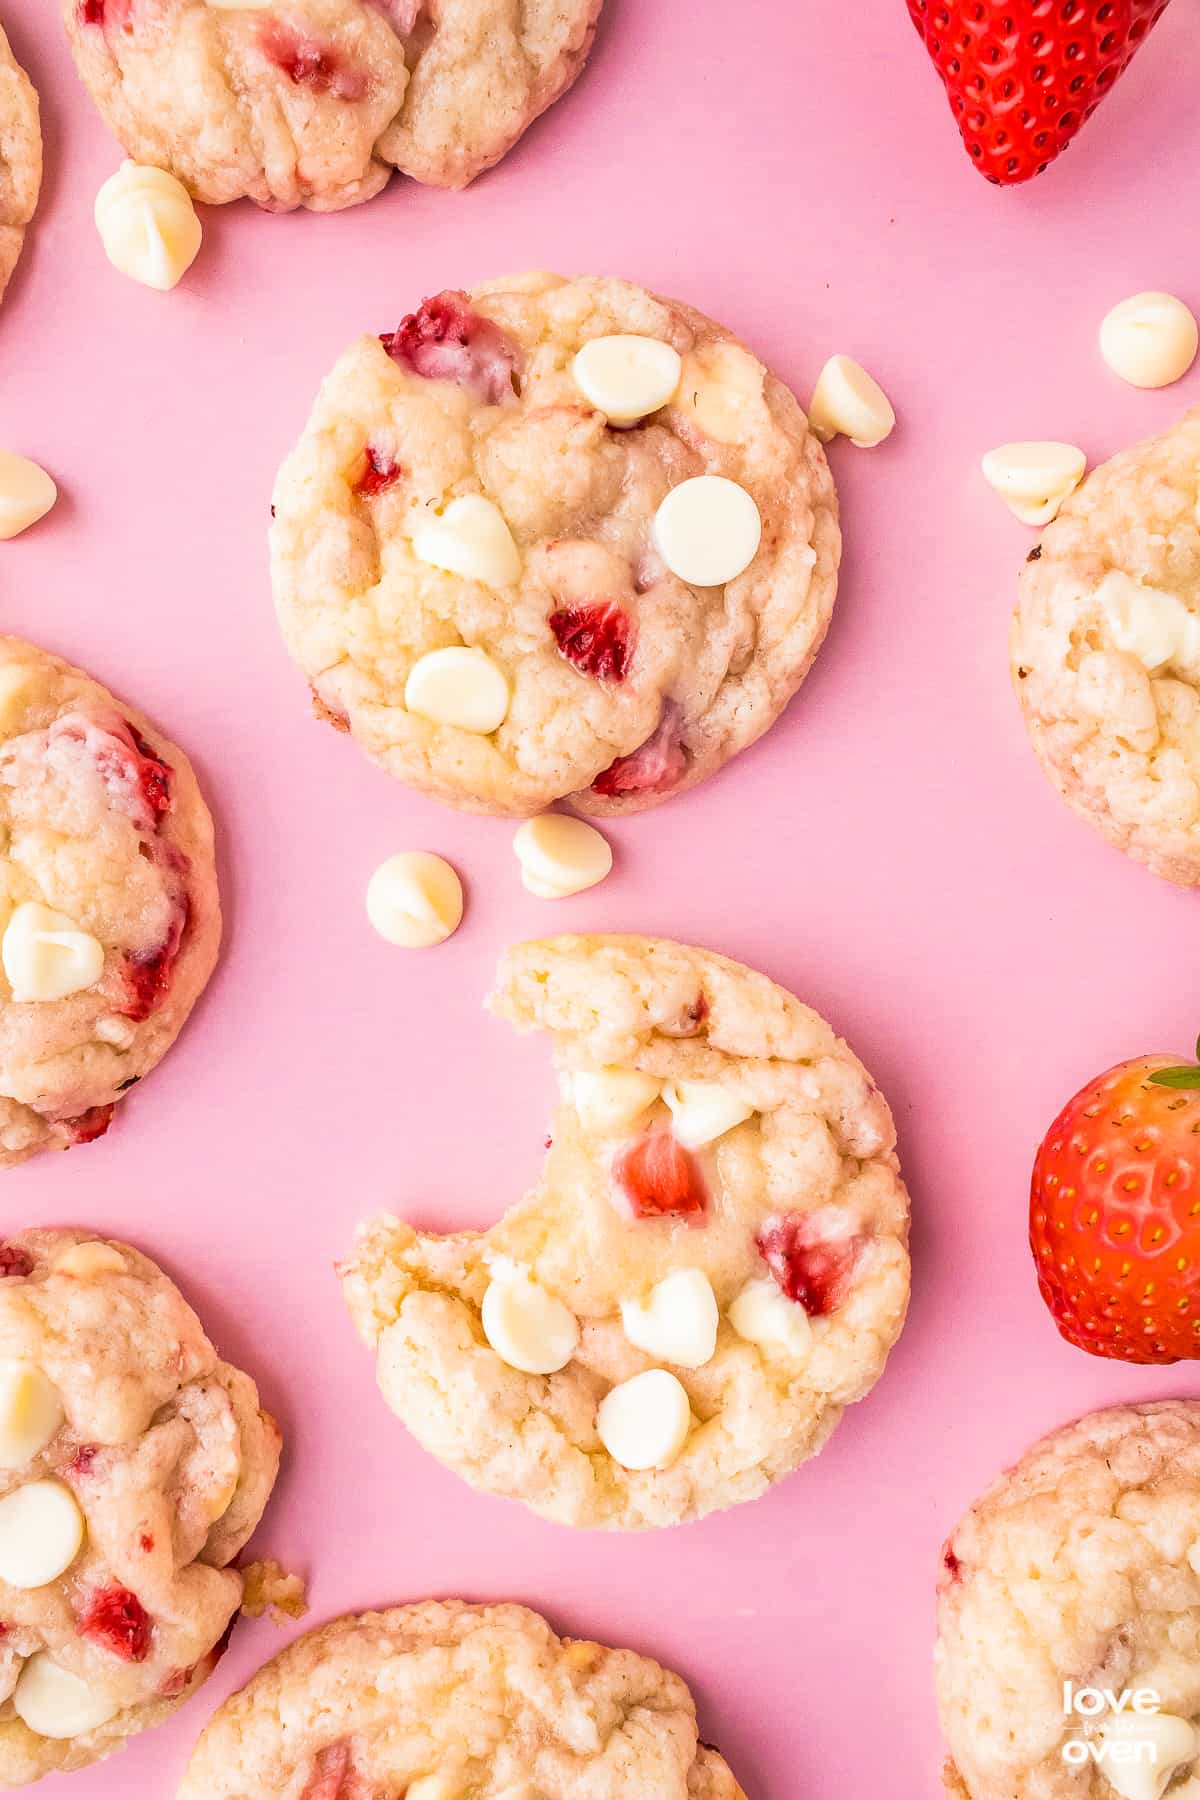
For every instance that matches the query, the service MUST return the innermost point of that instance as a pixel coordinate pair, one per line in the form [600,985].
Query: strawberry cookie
[1106,651]
[20,158]
[712,1266]
[554,540]
[444,1701]
[315,102]
[1068,1652]
[134,1465]
[109,919]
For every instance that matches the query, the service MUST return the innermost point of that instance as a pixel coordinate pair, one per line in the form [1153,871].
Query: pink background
[890,851]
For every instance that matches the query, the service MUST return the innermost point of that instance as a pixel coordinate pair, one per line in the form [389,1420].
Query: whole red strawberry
[1024,75]
[1114,1216]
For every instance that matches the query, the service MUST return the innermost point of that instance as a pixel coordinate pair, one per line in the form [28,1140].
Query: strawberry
[660,1178]
[380,471]
[595,638]
[653,768]
[148,978]
[86,1127]
[334,1776]
[1114,1215]
[1024,75]
[447,340]
[116,1618]
[14,1261]
[311,62]
[811,1266]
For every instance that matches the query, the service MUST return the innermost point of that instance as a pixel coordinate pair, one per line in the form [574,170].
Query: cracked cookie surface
[462,1702]
[20,158]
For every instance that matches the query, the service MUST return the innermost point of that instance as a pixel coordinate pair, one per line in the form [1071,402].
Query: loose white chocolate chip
[721,387]
[458,686]
[471,538]
[643,1423]
[148,225]
[527,1327]
[1151,1747]
[31,1412]
[1033,479]
[41,1529]
[762,1314]
[677,1322]
[87,1260]
[46,956]
[626,376]
[56,1704]
[611,1099]
[1149,340]
[1150,624]
[561,856]
[703,1111]
[26,494]
[415,900]
[847,402]
[707,530]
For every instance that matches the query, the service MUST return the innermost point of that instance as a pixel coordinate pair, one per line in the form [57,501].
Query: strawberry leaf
[1177,1078]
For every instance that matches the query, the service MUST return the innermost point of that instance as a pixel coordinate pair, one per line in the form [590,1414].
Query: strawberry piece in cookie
[654,768]
[659,1178]
[311,62]
[14,1262]
[89,1126]
[447,340]
[596,639]
[380,472]
[148,975]
[334,1776]
[116,1618]
[812,1266]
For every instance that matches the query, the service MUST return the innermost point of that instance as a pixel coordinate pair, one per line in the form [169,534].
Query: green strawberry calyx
[1188,1076]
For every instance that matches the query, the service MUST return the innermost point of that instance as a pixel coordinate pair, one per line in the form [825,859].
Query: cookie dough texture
[20,158]
[679,678]
[1076,1565]
[1115,717]
[171,1461]
[486,1698]
[820,1143]
[315,102]
[101,819]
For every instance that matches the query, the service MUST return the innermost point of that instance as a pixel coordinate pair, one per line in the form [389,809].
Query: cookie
[134,1466]
[109,917]
[20,158]
[444,1701]
[315,104]
[712,1266]
[1078,1574]
[554,540]
[1106,651]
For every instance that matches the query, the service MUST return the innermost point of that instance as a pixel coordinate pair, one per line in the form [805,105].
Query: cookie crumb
[269,1588]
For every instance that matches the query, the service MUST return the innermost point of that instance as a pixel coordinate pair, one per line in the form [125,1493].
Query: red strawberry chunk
[654,768]
[447,340]
[89,1125]
[311,62]
[380,471]
[116,1618]
[596,639]
[14,1261]
[660,1178]
[137,779]
[148,978]
[334,1776]
[811,1266]
[83,1460]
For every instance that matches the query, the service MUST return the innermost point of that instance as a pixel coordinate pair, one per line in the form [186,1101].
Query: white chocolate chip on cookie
[626,376]
[1150,623]
[703,1111]
[1033,479]
[609,1100]
[148,225]
[847,402]
[644,1423]
[434,1787]
[707,530]
[31,1411]
[415,900]
[46,956]
[88,1260]
[527,1327]
[560,856]
[1153,1746]
[762,1314]
[472,539]
[26,494]
[41,1529]
[56,1704]
[1149,340]
[677,1322]
[458,686]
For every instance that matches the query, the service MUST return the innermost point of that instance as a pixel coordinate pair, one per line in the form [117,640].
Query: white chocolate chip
[1150,624]
[415,899]
[471,538]
[434,1787]
[1156,1744]
[643,1423]
[626,376]
[115,1030]
[31,1412]
[41,1529]
[46,956]
[26,494]
[148,225]
[458,686]
[609,1100]
[53,1703]
[762,1314]
[561,856]
[88,1260]
[1033,479]
[707,530]
[721,388]
[847,402]
[527,1327]
[677,1322]
[703,1111]
[1149,340]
